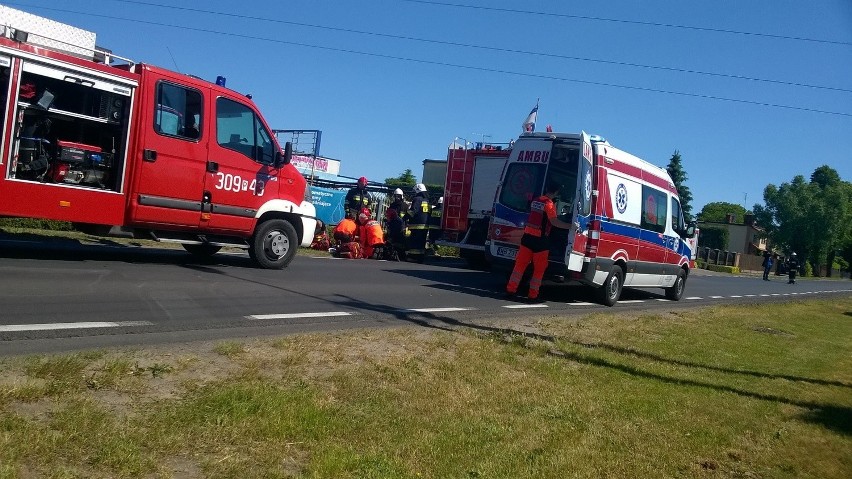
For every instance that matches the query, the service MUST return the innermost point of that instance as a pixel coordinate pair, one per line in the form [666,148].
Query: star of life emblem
[621,198]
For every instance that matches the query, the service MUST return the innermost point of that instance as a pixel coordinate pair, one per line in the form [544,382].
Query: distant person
[535,243]
[398,203]
[418,224]
[371,235]
[792,268]
[345,231]
[435,231]
[346,238]
[358,198]
[395,235]
[767,264]
[320,241]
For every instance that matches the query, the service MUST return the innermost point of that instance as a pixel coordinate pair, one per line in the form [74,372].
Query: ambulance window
[523,183]
[677,216]
[178,111]
[654,206]
[239,129]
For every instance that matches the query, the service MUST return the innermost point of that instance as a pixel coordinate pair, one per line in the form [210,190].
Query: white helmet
[419,188]
[398,191]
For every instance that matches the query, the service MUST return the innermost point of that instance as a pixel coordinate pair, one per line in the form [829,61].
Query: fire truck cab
[627,223]
[119,147]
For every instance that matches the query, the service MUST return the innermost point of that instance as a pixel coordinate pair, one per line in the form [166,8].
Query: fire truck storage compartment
[71,128]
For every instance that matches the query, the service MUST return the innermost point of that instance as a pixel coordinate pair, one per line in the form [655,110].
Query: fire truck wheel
[611,289]
[274,244]
[676,291]
[202,250]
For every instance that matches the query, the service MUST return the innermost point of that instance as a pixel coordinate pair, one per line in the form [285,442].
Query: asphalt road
[70,296]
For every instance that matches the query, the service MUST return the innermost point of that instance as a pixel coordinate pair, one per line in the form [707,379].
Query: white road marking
[522,306]
[298,315]
[695,297]
[630,301]
[83,325]
[716,297]
[735,296]
[663,299]
[750,295]
[581,303]
[437,310]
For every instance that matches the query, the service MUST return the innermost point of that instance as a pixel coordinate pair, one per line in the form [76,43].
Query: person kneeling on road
[370,232]
[346,239]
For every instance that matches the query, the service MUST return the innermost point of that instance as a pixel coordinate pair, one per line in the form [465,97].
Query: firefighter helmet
[362,181]
[419,188]
[397,192]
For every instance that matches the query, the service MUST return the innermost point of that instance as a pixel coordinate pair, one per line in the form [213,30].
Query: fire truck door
[170,182]
[241,174]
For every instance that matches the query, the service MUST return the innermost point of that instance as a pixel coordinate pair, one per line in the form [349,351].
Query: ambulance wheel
[676,291]
[274,244]
[611,289]
[201,250]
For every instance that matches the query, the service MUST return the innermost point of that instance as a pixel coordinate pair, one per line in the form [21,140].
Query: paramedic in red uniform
[371,233]
[535,244]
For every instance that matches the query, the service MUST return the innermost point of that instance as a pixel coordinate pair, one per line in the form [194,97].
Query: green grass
[736,392]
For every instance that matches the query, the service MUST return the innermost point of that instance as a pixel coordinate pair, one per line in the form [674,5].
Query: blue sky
[385,100]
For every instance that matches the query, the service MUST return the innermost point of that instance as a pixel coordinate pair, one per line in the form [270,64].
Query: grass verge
[749,391]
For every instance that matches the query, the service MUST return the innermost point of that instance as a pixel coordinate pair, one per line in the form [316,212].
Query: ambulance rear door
[570,167]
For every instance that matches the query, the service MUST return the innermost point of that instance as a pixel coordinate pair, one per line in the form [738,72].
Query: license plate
[504,252]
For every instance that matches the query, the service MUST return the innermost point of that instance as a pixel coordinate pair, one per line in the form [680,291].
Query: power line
[633,22]
[466,67]
[490,48]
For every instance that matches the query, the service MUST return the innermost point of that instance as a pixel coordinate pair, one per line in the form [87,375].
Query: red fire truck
[473,175]
[119,147]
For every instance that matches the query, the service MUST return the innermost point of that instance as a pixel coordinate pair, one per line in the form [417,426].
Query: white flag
[529,123]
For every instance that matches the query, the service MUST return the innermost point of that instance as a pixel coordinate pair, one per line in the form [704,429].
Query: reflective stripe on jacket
[538,221]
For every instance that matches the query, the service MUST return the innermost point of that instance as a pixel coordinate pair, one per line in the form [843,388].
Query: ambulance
[627,221]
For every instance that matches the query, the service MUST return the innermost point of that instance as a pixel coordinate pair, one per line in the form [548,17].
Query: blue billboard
[329,204]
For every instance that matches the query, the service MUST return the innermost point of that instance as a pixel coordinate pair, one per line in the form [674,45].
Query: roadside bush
[36,224]
[723,269]
[809,270]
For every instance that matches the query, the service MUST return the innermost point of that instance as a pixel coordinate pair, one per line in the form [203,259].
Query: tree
[679,177]
[406,179]
[812,218]
[716,211]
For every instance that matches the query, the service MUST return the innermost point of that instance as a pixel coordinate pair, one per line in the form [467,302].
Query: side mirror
[690,230]
[286,157]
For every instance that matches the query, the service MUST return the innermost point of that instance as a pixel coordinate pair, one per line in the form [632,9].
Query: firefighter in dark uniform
[435,223]
[792,268]
[358,198]
[418,223]
[398,203]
